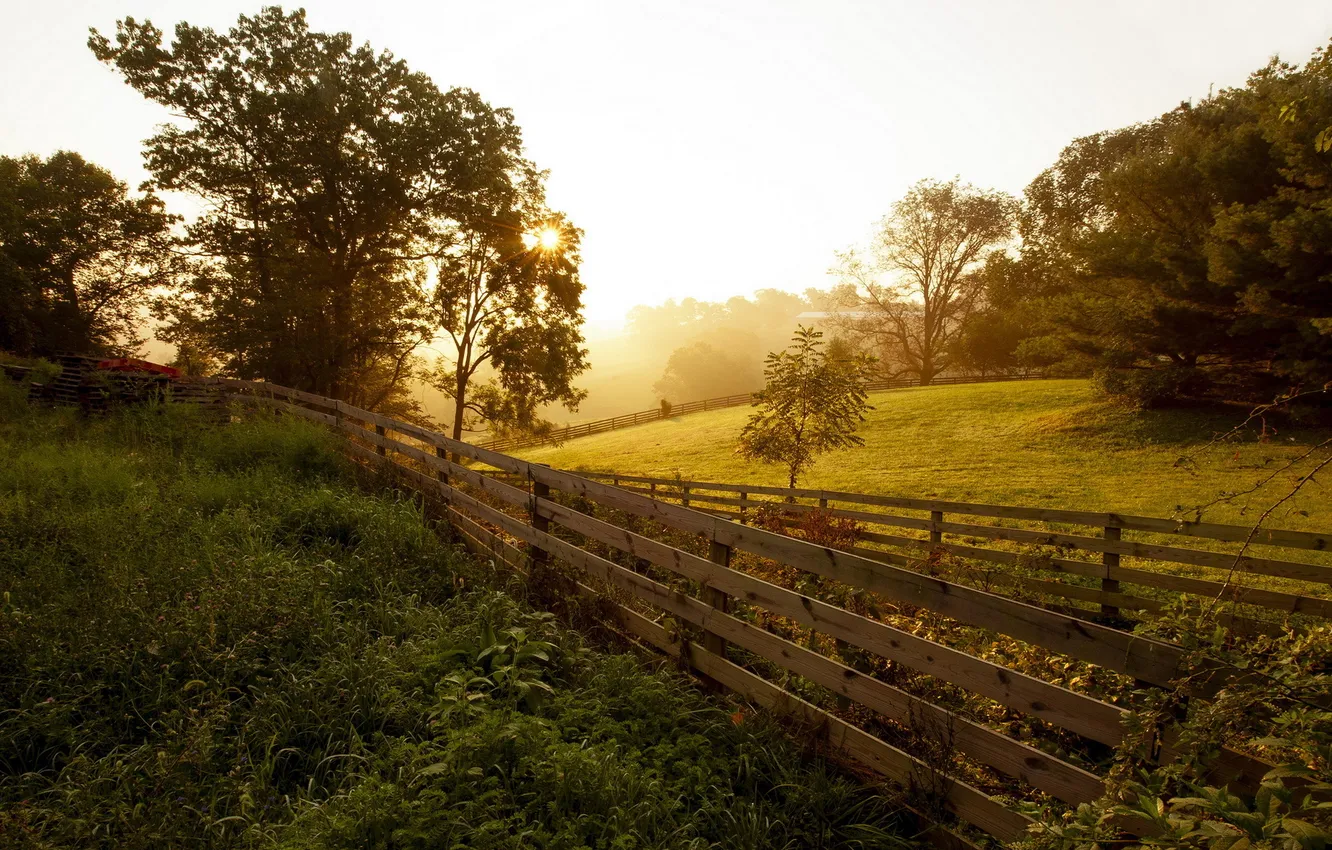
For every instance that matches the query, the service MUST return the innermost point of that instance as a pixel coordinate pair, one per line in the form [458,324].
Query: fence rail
[1111,545]
[524,514]
[627,420]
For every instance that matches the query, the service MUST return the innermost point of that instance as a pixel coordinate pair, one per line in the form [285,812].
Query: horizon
[794,123]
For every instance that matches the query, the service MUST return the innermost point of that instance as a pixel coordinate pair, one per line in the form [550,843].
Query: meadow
[1041,443]
[211,638]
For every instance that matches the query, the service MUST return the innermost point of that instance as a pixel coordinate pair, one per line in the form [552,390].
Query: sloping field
[1045,443]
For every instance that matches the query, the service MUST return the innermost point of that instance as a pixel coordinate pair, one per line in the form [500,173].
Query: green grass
[209,638]
[1041,443]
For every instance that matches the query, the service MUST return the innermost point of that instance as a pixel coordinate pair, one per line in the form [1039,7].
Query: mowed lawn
[1041,443]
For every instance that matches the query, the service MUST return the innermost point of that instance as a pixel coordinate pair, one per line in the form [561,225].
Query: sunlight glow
[545,239]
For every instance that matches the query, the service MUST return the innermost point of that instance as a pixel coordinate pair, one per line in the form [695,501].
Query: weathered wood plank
[960,799]
[1278,601]
[1051,775]
[1081,714]
[1159,525]
[1151,551]
[1142,658]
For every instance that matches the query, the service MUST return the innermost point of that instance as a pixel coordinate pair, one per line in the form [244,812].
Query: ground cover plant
[208,638]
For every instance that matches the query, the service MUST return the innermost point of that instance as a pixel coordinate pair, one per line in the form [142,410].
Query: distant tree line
[718,348]
[354,213]
[1188,255]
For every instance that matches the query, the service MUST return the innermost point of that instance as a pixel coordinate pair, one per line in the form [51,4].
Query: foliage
[209,639]
[511,304]
[810,405]
[701,370]
[325,168]
[78,256]
[715,347]
[1148,388]
[915,291]
[1277,709]
[1193,241]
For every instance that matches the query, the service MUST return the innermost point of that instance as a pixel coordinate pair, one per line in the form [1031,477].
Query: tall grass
[208,638]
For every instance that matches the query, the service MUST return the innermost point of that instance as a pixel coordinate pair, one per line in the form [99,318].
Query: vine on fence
[1280,709]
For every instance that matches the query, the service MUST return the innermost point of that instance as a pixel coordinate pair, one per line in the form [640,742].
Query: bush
[1144,389]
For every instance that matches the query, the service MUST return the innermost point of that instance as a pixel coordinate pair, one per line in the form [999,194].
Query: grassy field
[1043,443]
[209,638]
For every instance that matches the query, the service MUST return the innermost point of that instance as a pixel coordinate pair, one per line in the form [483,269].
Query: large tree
[326,168]
[79,256]
[917,285]
[1189,253]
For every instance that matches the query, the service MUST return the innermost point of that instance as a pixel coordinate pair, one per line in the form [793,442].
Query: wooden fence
[1061,532]
[627,420]
[523,514]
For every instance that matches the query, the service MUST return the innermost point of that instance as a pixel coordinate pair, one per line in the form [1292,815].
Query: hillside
[210,638]
[1048,443]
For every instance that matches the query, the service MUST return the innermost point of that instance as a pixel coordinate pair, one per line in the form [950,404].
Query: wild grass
[209,638]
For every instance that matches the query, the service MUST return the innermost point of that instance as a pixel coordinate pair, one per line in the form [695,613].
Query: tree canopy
[811,404]
[1189,254]
[329,171]
[79,256]
[509,301]
[913,292]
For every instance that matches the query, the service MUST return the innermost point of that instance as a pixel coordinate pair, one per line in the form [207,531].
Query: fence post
[684,495]
[1110,560]
[744,497]
[718,554]
[383,452]
[535,553]
[652,490]
[936,536]
[439,472]
[823,503]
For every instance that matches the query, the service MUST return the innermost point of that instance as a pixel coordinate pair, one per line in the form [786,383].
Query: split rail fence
[922,527]
[551,514]
[627,420]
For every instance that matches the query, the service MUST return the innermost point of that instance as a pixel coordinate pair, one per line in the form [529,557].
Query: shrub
[1144,389]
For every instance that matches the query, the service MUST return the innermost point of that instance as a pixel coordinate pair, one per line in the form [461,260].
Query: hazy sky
[714,148]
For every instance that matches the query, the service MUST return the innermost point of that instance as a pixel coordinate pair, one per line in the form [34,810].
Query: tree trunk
[927,370]
[459,408]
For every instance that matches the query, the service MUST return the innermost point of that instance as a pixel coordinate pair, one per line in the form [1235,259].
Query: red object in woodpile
[133,364]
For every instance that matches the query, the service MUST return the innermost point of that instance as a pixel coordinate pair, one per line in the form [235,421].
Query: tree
[326,169]
[509,298]
[919,284]
[810,405]
[1188,254]
[702,371]
[79,256]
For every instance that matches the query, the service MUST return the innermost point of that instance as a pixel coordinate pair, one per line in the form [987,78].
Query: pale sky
[710,149]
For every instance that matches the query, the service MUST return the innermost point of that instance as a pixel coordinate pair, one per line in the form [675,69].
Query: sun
[548,238]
